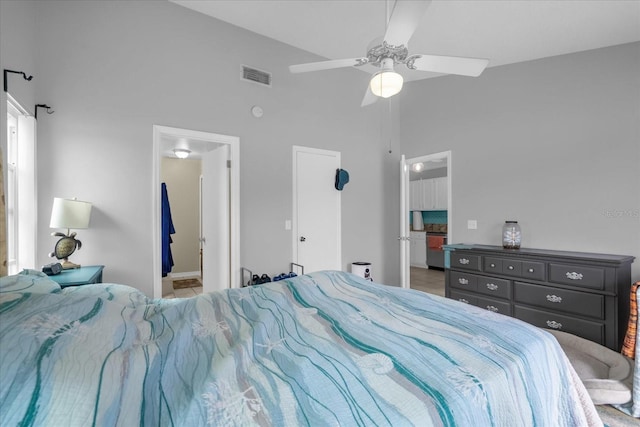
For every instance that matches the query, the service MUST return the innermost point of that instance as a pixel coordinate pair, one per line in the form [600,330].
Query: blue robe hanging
[167,231]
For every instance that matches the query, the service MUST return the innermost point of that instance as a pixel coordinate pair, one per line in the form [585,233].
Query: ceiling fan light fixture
[386,82]
[181,153]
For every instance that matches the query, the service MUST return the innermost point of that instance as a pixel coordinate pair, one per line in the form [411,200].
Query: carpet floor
[186,283]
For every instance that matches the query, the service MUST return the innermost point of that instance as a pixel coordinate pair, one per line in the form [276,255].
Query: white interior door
[404,237]
[316,210]
[215,238]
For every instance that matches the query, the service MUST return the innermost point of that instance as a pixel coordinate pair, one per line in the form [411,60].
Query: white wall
[111,70]
[552,143]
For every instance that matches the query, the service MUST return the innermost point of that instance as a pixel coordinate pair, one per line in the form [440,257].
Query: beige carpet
[186,283]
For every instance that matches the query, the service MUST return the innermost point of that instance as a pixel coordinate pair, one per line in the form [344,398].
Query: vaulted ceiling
[504,31]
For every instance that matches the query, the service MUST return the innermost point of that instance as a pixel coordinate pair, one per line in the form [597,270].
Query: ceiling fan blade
[369,97]
[405,18]
[471,67]
[327,65]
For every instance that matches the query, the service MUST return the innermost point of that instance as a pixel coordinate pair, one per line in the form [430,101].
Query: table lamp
[68,213]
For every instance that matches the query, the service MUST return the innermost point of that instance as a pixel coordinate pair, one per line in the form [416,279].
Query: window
[21,188]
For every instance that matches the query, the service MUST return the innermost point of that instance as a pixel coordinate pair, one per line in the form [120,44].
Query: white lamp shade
[68,213]
[386,83]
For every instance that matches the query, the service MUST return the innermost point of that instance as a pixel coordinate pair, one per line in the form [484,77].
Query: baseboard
[186,275]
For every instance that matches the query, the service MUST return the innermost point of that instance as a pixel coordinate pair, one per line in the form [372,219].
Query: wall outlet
[472,224]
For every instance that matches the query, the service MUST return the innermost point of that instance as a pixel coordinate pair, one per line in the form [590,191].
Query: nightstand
[79,276]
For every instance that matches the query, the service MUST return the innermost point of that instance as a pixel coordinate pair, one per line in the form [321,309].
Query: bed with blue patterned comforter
[326,348]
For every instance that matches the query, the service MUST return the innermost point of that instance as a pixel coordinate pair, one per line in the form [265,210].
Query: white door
[215,204]
[316,210]
[404,237]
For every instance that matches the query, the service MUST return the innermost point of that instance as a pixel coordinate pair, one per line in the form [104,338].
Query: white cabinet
[416,198]
[418,249]
[440,199]
[434,194]
[428,194]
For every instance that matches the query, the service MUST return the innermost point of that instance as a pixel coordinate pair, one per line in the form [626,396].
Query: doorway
[227,251]
[420,167]
[316,210]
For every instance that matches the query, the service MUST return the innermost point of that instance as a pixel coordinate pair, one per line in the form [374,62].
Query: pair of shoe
[259,280]
[283,276]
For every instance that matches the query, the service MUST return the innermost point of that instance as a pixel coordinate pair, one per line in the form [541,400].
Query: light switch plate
[287,224]
[472,224]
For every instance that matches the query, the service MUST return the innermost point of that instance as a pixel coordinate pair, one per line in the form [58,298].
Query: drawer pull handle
[554,325]
[492,286]
[492,265]
[510,267]
[463,300]
[492,308]
[574,276]
[463,261]
[554,298]
[531,270]
[463,281]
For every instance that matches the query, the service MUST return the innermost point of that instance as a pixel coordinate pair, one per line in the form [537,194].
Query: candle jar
[511,235]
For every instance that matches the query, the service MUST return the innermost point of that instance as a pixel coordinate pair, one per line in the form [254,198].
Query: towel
[167,230]
[629,344]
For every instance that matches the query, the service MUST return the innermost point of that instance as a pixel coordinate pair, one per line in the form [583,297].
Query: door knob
[303,239]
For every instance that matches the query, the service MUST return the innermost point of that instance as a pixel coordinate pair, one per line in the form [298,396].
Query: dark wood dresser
[585,294]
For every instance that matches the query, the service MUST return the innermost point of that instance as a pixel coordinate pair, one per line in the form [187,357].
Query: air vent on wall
[256,76]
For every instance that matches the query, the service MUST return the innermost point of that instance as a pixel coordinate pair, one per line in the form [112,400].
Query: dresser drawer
[496,306]
[526,269]
[559,300]
[577,275]
[494,287]
[502,266]
[465,261]
[462,280]
[593,331]
[492,265]
[512,267]
[533,270]
[464,297]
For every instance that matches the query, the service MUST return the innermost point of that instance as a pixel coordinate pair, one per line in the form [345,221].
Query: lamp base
[68,265]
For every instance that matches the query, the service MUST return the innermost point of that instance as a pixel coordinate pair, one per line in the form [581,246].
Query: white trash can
[362,269]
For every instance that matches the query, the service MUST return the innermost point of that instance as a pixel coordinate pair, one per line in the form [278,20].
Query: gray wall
[552,143]
[111,70]
[17,53]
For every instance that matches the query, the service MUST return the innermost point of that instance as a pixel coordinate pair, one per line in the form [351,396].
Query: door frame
[294,232]
[405,276]
[213,140]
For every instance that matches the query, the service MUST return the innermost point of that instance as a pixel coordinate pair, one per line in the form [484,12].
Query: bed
[327,348]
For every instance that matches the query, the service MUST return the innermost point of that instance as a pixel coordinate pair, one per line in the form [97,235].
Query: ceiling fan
[392,51]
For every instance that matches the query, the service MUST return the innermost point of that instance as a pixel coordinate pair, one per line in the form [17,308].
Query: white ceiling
[504,31]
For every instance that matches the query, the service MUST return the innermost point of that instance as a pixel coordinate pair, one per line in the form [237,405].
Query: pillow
[28,281]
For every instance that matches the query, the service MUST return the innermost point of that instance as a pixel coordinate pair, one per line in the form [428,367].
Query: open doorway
[428,215]
[220,158]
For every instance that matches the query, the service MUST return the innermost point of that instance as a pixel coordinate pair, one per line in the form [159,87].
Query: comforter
[326,348]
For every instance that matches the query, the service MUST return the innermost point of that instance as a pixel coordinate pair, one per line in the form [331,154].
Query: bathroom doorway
[227,251]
